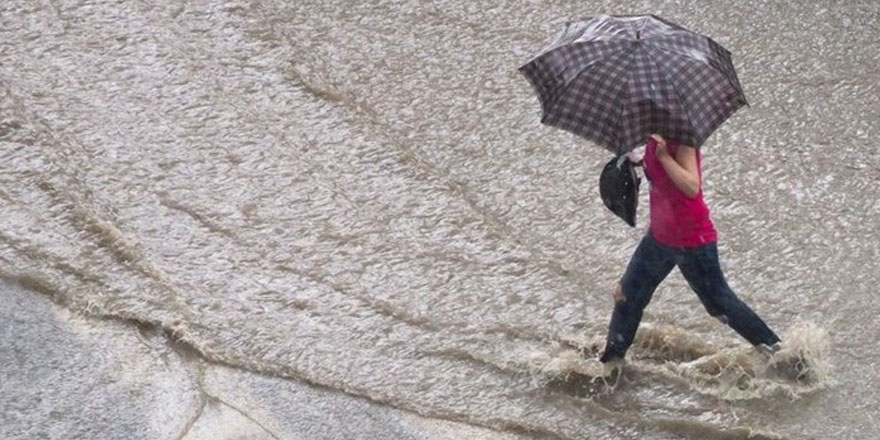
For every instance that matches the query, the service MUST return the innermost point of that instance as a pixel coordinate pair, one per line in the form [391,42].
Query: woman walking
[616,79]
[680,234]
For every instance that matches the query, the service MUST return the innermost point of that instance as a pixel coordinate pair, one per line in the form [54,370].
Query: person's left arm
[681,168]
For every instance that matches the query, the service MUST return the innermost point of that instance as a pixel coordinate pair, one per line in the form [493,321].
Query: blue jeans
[650,264]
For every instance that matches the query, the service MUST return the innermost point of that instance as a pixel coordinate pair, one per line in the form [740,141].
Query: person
[682,234]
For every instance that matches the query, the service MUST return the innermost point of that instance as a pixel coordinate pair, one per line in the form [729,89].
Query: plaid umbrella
[616,79]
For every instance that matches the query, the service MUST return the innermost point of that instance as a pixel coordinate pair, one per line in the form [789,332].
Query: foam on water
[663,353]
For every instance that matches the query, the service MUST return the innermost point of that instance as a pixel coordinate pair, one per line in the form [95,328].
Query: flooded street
[360,196]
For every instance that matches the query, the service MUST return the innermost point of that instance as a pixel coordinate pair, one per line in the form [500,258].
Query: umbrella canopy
[616,79]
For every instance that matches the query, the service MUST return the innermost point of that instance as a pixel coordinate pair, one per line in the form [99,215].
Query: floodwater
[360,195]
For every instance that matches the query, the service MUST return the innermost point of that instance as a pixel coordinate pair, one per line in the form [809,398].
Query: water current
[360,195]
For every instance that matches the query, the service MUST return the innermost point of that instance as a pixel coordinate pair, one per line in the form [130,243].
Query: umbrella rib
[712,65]
[598,62]
[688,56]
[624,90]
[672,84]
[627,58]
[683,54]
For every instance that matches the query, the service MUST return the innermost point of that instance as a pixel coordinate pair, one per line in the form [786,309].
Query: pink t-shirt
[676,220]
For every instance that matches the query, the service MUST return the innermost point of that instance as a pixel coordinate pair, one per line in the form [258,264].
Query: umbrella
[616,79]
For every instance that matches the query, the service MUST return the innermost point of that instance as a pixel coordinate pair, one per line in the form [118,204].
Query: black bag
[619,188]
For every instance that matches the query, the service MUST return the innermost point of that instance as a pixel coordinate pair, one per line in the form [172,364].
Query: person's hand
[661,152]
[636,156]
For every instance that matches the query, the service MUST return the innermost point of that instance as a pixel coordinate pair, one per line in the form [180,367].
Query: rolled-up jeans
[650,264]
